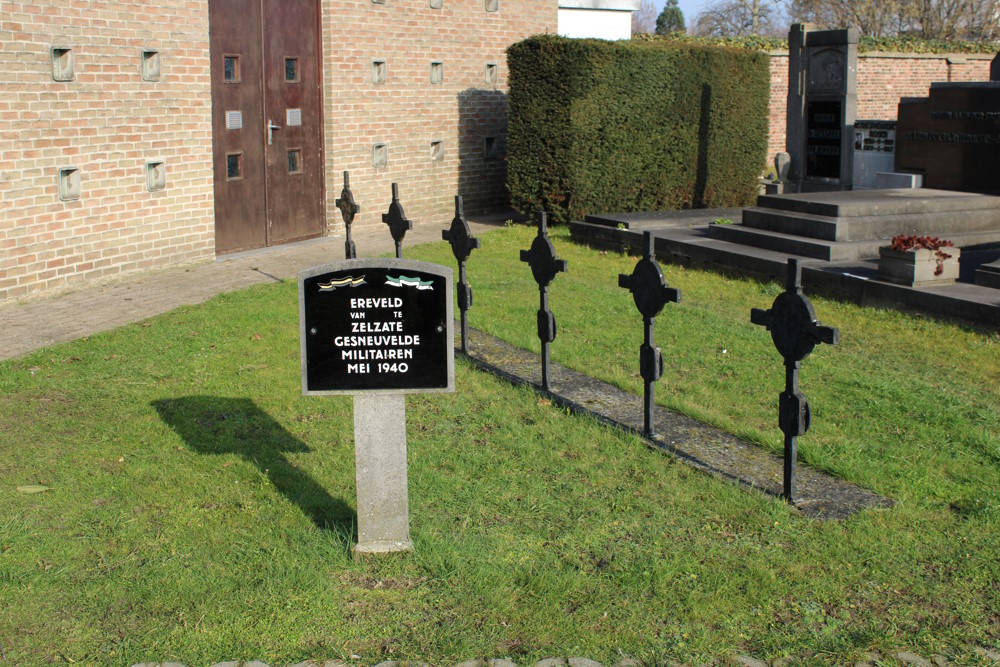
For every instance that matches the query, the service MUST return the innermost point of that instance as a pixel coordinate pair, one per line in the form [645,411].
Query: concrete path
[47,321]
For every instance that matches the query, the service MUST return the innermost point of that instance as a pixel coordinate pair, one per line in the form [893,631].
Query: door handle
[271,127]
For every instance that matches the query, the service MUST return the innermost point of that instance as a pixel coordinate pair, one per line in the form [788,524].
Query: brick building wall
[407,113]
[107,122]
[883,78]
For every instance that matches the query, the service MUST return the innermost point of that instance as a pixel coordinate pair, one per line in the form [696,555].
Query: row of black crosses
[791,319]
[459,235]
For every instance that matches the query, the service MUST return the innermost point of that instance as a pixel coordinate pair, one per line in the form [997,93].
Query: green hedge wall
[598,127]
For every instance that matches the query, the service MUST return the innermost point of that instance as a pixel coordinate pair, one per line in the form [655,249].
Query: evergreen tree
[670,20]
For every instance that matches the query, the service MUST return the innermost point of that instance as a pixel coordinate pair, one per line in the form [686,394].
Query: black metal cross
[795,332]
[462,245]
[651,293]
[396,219]
[544,267]
[348,209]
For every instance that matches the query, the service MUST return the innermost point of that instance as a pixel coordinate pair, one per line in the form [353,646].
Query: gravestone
[348,210]
[541,257]
[874,152]
[398,223]
[651,293]
[952,137]
[821,107]
[795,332]
[378,330]
[462,242]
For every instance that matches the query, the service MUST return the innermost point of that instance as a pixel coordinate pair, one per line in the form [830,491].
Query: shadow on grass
[218,425]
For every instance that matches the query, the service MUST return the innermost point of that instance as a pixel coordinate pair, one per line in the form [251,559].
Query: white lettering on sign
[384,302]
[375,327]
[376,341]
[386,348]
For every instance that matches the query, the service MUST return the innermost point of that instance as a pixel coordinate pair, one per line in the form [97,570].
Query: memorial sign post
[378,329]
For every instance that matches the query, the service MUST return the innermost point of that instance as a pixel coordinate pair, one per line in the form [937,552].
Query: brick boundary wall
[883,78]
[408,112]
[107,122]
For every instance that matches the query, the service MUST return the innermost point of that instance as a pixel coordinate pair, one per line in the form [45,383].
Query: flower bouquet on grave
[918,261]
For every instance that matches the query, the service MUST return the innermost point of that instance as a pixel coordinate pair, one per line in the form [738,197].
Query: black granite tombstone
[952,137]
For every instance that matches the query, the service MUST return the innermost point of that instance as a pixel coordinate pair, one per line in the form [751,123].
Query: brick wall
[883,78]
[107,122]
[408,113]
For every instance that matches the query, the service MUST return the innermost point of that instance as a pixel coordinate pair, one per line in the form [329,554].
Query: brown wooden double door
[267,122]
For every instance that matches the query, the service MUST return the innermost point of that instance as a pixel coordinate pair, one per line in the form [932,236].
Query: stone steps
[988,275]
[864,203]
[868,215]
[829,250]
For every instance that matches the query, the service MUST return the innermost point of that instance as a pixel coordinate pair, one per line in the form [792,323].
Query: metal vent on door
[234,120]
[293,117]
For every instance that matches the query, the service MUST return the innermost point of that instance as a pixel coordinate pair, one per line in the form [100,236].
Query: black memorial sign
[952,137]
[376,325]
[825,128]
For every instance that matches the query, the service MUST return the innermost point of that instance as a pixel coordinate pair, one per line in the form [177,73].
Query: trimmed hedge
[598,127]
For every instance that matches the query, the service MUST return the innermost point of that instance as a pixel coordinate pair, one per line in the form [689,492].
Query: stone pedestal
[380,470]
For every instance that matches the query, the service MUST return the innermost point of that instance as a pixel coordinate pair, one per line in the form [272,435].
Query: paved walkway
[46,321]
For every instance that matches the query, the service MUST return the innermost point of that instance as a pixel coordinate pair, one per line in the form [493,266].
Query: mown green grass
[200,509]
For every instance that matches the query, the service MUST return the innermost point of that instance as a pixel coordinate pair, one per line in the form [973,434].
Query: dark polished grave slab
[952,136]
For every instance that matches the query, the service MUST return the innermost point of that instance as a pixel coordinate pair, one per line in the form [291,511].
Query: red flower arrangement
[903,243]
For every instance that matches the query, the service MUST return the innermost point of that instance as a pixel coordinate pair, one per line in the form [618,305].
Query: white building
[604,19]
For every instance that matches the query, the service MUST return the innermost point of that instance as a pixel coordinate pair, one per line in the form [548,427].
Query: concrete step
[988,275]
[830,251]
[863,203]
[794,244]
[787,222]
[873,227]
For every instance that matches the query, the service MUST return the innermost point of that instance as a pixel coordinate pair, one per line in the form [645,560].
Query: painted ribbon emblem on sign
[347,281]
[404,281]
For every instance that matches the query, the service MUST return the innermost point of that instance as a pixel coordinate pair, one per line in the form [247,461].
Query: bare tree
[644,20]
[737,18]
[931,19]
[953,19]
[871,17]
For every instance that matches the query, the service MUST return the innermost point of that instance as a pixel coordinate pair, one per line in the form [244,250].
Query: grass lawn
[198,508]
